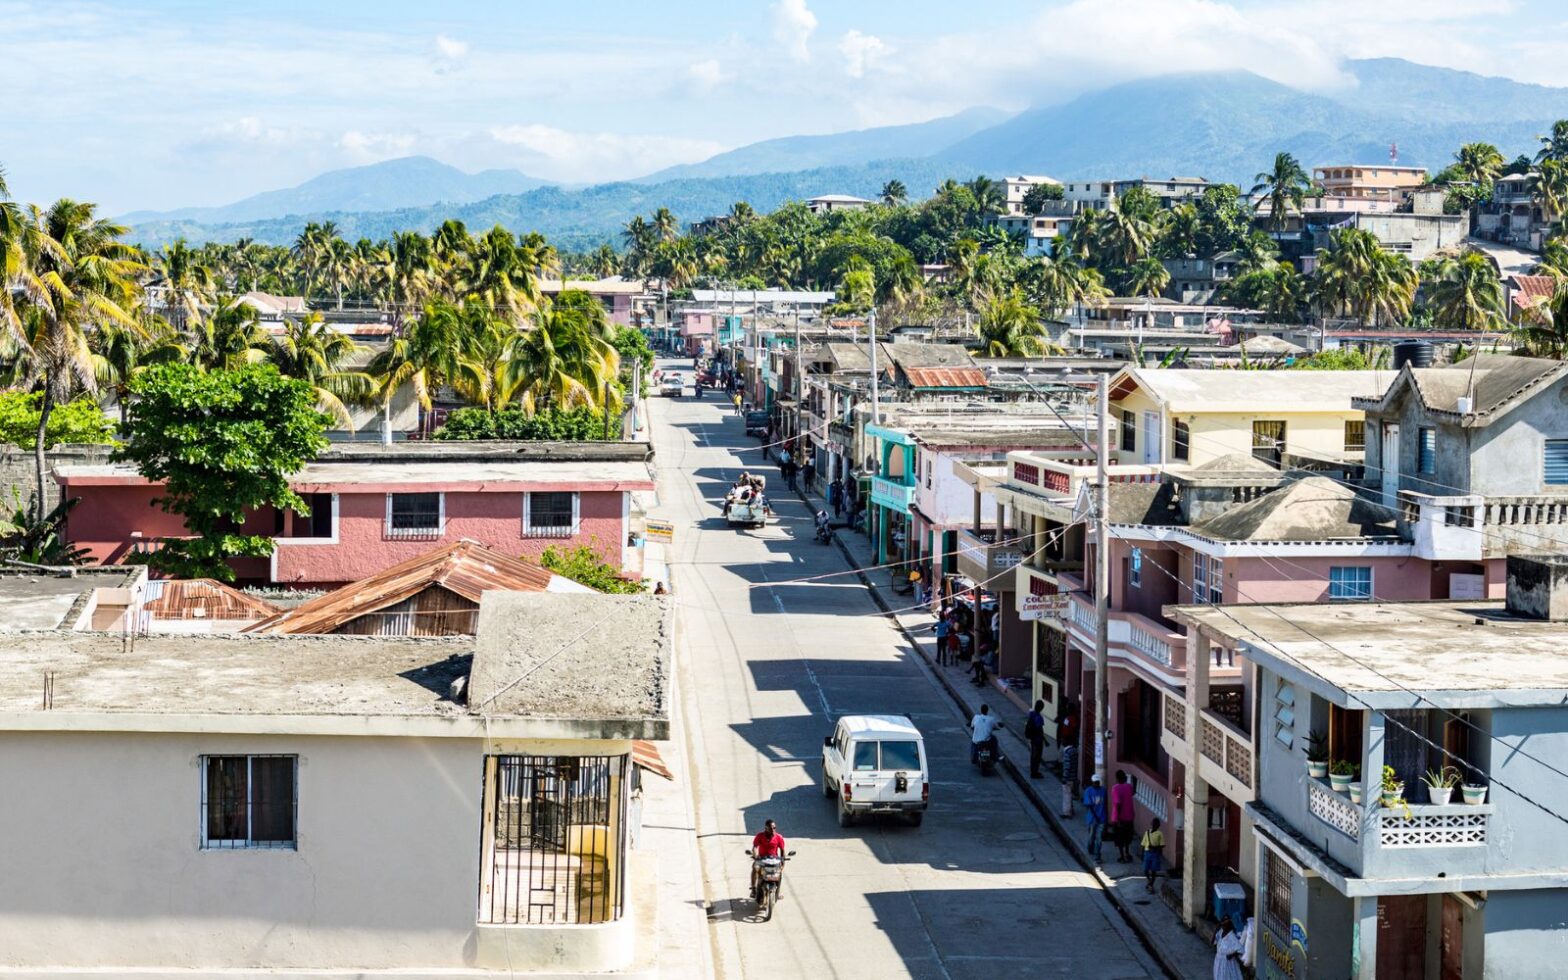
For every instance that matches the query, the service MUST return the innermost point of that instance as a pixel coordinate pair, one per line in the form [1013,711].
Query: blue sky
[165,103]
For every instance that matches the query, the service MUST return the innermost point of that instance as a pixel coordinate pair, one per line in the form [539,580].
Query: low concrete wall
[18,472]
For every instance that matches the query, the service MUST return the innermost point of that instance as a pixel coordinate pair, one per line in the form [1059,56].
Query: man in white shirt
[982,728]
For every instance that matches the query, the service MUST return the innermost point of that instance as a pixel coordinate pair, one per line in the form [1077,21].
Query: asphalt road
[767,660]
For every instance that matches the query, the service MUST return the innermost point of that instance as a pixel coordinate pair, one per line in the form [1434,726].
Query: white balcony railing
[1334,809]
[1152,799]
[1150,645]
[1445,826]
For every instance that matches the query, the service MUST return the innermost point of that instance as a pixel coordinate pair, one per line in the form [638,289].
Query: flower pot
[1355,793]
[1317,769]
[1393,797]
[1473,795]
[1439,795]
[1340,783]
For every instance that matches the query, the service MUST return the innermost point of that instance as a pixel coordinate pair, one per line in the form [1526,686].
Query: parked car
[756,423]
[672,385]
[876,764]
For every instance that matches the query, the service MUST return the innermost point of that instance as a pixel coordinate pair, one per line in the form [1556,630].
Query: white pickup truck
[876,764]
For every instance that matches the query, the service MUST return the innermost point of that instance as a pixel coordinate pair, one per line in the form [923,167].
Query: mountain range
[1220,125]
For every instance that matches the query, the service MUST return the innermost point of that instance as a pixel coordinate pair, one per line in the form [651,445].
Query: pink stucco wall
[106,517]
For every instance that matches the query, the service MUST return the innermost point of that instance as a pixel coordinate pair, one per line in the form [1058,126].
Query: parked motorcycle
[767,881]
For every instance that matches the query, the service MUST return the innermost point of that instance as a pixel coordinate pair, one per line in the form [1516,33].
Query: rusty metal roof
[202,598]
[465,567]
[945,377]
[646,754]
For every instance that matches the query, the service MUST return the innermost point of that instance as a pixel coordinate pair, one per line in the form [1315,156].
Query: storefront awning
[646,755]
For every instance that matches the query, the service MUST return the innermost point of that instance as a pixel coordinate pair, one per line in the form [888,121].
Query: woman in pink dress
[1121,816]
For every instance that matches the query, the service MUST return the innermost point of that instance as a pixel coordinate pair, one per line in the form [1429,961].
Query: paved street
[767,660]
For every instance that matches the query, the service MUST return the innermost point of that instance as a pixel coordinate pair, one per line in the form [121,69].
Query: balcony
[1225,757]
[1043,476]
[1472,527]
[1129,636]
[893,494]
[986,554]
[1381,842]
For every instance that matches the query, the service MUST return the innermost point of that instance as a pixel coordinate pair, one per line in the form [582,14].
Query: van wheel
[827,787]
[915,819]
[845,818]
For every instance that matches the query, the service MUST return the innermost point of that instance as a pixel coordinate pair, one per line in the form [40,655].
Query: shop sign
[1278,961]
[1052,606]
[661,530]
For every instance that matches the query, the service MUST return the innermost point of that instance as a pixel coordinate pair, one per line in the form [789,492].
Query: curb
[1053,819]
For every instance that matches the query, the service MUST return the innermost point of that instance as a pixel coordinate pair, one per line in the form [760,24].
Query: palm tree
[603,261]
[500,274]
[187,281]
[1468,294]
[1356,275]
[310,351]
[229,338]
[89,277]
[1147,277]
[567,358]
[1284,187]
[990,198]
[432,351]
[1551,183]
[894,192]
[1545,332]
[20,240]
[1177,230]
[1125,232]
[120,352]
[1479,163]
[1554,259]
[405,273]
[1010,327]
[664,225]
[1554,146]
[1255,252]
[340,266]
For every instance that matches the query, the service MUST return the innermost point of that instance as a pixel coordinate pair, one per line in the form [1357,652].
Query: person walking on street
[1121,817]
[836,497]
[1069,777]
[941,627]
[1153,853]
[1228,950]
[809,472]
[788,469]
[1034,731]
[917,582]
[954,638]
[1094,815]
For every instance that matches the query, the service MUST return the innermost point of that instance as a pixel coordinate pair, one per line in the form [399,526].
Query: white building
[1093,194]
[1017,187]
[824,203]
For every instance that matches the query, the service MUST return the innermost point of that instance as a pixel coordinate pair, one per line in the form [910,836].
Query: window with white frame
[1350,582]
[415,515]
[1208,579]
[550,514]
[249,801]
[1285,714]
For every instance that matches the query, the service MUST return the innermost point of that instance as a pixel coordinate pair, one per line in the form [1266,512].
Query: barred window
[248,801]
[1355,435]
[1276,905]
[550,515]
[1208,579]
[414,514]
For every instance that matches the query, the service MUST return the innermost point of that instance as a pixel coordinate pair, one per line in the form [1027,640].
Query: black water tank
[1416,353]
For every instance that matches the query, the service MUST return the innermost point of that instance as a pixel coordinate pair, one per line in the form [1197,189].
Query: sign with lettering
[1042,606]
[1277,961]
[661,530]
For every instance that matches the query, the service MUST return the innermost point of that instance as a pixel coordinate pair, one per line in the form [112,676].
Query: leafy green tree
[1010,327]
[632,347]
[894,192]
[1223,219]
[1147,277]
[77,422]
[222,444]
[1479,163]
[1284,186]
[1038,197]
[583,565]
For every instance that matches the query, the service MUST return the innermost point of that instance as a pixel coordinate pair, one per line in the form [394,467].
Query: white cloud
[370,147]
[450,48]
[862,52]
[560,154]
[250,129]
[708,74]
[793,25]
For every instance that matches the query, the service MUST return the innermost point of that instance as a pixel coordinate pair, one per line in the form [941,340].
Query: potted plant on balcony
[1393,796]
[1440,784]
[1355,792]
[1317,754]
[1341,774]
[1473,793]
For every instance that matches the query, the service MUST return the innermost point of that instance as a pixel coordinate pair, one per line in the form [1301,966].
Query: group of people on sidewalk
[1116,821]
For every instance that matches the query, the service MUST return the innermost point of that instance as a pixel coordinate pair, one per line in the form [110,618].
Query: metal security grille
[554,839]
[249,801]
[550,515]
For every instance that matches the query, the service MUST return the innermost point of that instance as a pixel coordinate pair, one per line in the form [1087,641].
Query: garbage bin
[1229,900]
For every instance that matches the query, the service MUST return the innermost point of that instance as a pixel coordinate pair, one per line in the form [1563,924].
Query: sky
[169,103]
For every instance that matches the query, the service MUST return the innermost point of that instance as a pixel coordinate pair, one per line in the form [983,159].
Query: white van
[876,764]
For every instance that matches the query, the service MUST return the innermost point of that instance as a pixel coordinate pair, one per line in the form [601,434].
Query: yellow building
[1193,416]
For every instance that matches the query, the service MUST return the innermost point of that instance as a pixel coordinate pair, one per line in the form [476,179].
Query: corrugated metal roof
[202,598]
[465,567]
[945,377]
[646,754]
[1531,290]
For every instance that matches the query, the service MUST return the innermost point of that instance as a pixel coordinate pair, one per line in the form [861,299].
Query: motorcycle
[987,755]
[766,881]
[824,531]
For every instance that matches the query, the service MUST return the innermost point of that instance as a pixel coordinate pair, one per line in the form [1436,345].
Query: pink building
[625,300]
[373,506]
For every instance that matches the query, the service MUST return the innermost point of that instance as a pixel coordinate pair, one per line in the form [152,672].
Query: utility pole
[800,391]
[871,339]
[1102,581]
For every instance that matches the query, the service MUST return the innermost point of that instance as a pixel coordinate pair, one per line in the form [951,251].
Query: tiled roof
[940,377]
[202,598]
[464,567]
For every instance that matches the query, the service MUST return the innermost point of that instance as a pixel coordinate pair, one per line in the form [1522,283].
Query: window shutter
[1557,461]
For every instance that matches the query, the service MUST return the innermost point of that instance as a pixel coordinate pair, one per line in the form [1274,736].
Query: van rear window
[900,755]
[865,757]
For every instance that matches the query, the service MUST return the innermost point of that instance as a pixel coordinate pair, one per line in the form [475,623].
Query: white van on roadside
[876,764]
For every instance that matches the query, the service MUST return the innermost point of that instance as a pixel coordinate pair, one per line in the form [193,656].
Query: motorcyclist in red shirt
[768,843]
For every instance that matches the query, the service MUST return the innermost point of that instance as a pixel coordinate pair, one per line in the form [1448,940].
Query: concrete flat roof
[1457,654]
[40,600]
[1253,392]
[454,475]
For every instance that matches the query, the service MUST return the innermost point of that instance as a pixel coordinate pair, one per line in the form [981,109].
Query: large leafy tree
[223,444]
[1284,186]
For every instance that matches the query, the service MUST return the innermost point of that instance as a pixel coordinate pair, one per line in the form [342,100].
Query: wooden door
[1451,944]
[1401,937]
